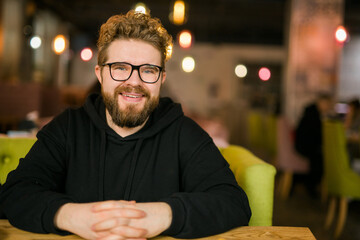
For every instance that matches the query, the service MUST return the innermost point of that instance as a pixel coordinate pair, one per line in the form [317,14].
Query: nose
[134,78]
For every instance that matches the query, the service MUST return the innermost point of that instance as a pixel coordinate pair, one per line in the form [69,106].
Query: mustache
[132,89]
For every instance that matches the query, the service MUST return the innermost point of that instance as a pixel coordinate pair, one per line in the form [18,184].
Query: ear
[98,73]
[163,77]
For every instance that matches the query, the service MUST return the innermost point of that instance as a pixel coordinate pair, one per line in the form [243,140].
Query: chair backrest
[256,177]
[287,158]
[11,150]
[340,178]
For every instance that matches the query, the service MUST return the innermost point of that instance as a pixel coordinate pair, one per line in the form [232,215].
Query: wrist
[63,216]
[167,215]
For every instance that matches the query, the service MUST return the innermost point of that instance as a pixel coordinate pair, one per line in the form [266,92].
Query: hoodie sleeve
[33,192]
[211,201]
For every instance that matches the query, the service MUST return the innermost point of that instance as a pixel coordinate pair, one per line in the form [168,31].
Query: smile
[131,96]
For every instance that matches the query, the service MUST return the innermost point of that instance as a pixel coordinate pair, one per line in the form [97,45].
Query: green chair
[11,150]
[341,181]
[256,177]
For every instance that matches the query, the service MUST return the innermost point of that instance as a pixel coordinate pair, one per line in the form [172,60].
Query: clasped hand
[112,220]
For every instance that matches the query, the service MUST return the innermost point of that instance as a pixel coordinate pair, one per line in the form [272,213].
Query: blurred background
[231,60]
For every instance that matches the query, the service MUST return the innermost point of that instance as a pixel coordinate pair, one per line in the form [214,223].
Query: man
[126,165]
[308,139]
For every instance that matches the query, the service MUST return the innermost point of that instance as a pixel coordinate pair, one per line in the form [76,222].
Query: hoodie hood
[164,114]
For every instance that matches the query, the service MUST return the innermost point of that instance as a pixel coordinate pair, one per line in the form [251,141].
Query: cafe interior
[244,70]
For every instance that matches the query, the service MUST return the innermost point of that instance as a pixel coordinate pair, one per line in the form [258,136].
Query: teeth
[131,96]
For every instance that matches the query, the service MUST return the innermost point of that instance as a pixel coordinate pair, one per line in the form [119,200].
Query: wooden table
[8,232]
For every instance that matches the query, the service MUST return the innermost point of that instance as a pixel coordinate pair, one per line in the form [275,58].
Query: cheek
[109,86]
[155,90]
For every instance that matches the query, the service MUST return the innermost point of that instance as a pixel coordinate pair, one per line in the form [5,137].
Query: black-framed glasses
[122,71]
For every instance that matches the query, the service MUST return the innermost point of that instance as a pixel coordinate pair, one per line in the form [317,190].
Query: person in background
[352,127]
[127,164]
[308,139]
[213,126]
[352,119]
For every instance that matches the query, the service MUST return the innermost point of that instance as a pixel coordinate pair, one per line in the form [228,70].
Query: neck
[122,131]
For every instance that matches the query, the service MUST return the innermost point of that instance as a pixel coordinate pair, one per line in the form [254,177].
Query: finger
[132,202]
[129,213]
[129,232]
[116,237]
[107,205]
[109,224]
[121,212]
[111,237]
[117,217]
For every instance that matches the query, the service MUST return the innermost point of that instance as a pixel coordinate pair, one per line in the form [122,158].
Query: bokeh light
[140,7]
[178,16]
[188,64]
[86,54]
[59,44]
[35,42]
[264,74]
[241,71]
[185,39]
[341,34]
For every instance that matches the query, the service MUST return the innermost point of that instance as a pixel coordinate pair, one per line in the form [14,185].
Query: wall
[349,80]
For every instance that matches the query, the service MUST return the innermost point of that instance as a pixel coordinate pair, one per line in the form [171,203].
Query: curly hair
[133,25]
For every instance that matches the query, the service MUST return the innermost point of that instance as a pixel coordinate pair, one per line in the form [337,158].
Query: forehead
[133,51]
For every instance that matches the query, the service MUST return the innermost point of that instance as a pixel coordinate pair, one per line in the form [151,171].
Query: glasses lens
[149,73]
[120,71]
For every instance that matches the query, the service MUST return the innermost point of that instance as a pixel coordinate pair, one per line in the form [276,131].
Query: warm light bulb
[35,42]
[240,70]
[341,34]
[185,39]
[179,13]
[140,7]
[188,64]
[59,44]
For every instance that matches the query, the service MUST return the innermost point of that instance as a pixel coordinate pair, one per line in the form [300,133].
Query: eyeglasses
[122,71]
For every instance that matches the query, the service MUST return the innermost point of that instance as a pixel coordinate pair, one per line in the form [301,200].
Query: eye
[148,69]
[120,67]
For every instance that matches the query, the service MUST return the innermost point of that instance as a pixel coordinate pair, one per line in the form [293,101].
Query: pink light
[264,74]
[86,54]
[185,39]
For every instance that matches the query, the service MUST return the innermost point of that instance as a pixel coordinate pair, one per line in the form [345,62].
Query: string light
[341,34]
[188,64]
[178,15]
[35,42]
[241,71]
[141,7]
[86,54]
[264,74]
[59,44]
[185,39]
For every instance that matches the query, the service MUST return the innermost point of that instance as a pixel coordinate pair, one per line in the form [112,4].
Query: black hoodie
[79,158]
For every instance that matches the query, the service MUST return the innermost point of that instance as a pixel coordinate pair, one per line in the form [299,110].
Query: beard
[130,116]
